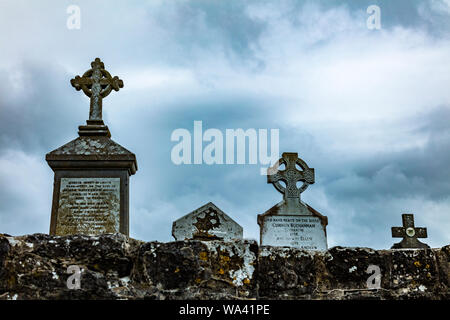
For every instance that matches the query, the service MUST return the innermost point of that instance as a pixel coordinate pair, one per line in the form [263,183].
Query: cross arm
[408,220]
[82,83]
[272,178]
[398,232]
[78,82]
[306,176]
[115,83]
[110,83]
[421,232]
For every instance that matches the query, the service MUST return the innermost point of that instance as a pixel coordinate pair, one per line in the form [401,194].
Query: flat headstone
[292,223]
[206,223]
[304,232]
[90,194]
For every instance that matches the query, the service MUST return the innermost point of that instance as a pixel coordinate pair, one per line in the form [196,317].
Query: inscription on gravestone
[291,222]
[290,231]
[88,206]
[206,223]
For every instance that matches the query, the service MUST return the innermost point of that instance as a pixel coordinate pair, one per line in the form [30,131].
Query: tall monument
[291,222]
[90,190]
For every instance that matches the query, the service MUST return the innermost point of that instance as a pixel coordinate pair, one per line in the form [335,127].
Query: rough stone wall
[115,267]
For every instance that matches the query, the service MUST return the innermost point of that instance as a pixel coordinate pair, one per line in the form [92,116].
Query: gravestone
[409,233]
[206,223]
[292,223]
[90,190]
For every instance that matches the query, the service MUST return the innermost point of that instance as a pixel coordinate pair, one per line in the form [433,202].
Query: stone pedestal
[304,229]
[90,192]
[206,223]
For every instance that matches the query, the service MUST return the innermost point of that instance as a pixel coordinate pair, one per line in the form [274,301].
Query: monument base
[91,185]
[305,229]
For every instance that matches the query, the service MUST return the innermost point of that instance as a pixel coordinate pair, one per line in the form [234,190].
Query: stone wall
[115,267]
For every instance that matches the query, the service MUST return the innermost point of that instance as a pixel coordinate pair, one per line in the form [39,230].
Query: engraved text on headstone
[88,206]
[303,232]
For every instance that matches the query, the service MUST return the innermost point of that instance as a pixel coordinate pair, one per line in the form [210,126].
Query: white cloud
[442,6]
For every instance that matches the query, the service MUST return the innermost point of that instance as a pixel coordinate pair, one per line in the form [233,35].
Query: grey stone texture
[117,267]
[206,223]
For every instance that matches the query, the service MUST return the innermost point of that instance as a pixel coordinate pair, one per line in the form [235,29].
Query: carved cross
[409,233]
[290,176]
[97,84]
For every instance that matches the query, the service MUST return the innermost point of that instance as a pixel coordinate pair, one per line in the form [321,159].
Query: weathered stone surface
[36,266]
[116,267]
[96,83]
[414,272]
[199,269]
[341,273]
[443,261]
[88,206]
[206,223]
[346,268]
[4,251]
[91,148]
[286,273]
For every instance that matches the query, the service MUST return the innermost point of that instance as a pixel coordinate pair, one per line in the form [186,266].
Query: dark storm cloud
[375,191]
[417,171]
[37,107]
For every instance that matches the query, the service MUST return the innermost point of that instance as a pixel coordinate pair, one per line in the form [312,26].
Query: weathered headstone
[409,233]
[206,223]
[90,190]
[291,222]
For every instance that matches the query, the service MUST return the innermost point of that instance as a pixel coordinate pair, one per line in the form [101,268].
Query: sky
[367,108]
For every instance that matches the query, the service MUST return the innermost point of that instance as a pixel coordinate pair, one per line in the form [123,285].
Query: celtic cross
[409,233]
[290,176]
[97,84]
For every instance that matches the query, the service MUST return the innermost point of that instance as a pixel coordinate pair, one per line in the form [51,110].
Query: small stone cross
[97,84]
[409,233]
[290,176]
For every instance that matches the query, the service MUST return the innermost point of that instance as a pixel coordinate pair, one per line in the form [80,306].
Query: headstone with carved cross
[206,223]
[292,222]
[409,233]
[90,190]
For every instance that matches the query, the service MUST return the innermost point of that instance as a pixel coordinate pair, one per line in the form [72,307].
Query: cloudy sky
[368,109]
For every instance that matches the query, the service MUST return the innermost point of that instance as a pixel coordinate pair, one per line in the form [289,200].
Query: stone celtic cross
[97,84]
[409,233]
[290,176]
[292,222]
